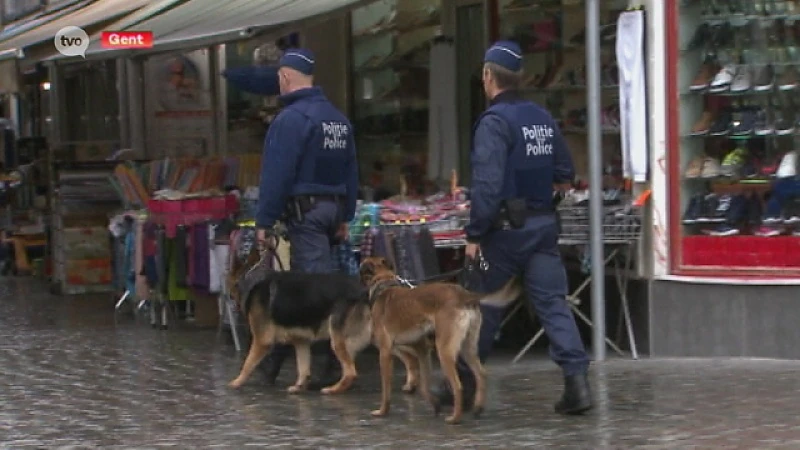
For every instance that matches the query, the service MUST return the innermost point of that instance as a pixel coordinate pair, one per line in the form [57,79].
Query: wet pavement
[74,379]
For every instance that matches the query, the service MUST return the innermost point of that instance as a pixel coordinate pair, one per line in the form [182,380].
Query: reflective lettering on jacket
[531,158]
[335,135]
[538,139]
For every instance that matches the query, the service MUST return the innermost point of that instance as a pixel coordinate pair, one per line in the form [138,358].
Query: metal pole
[595,178]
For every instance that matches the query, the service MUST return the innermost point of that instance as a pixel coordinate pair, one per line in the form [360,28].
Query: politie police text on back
[538,140]
[335,134]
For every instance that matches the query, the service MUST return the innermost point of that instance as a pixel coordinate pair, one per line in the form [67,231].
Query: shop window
[552,35]
[250,114]
[92,104]
[391,42]
[738,93]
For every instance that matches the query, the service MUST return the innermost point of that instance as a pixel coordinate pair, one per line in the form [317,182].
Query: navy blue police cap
[506,54]
[299,59]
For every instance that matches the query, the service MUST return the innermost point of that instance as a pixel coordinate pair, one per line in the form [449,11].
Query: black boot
[271,365]
[330,374]
[577,398]
[444,396]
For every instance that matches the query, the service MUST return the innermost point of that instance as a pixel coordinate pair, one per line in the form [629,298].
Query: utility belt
[514,212]
[298,206]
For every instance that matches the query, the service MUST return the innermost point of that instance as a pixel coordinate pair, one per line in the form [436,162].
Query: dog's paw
[477,411]
[296,389]
[235,384]
[410,388]
[330,390]
[379,413]
[452,420]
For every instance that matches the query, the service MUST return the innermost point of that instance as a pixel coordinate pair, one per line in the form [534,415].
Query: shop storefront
[728,287]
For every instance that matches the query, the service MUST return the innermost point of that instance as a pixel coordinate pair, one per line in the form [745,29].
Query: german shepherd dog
[408,317]
[301,308]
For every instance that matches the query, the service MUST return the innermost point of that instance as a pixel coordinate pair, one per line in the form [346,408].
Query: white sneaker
[722,81]
[743,80]
[788,167]
[711,168]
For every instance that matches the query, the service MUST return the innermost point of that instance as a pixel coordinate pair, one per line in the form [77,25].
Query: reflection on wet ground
[74,379]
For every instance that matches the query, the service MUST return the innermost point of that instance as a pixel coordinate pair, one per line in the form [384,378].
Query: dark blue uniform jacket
[309,150]
[518,152]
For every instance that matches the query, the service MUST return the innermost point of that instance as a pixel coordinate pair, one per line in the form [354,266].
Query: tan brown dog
[300,308]
[408,317]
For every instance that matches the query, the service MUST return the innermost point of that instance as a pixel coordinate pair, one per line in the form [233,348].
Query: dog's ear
[386,263]
[366,270]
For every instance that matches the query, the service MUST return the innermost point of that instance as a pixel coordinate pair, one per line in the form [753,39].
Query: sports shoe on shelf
[788,79]
[742,81]
[733,162]
[743,122]
[768,231]
[764,78]
[791,211]
[788,166]
[762,125]
[722,230]
[704,76]
[722,125]
[695,168]
[709,205]
[723,79]
[693,210]
[711,168]
[769,169]
[720,214]
[783,125]
[703,125]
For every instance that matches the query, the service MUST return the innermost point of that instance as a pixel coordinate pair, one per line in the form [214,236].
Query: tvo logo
[71,41]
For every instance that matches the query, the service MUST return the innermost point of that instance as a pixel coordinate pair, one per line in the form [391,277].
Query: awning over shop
[129,22]
[21,26]
[95,13]
[201,23]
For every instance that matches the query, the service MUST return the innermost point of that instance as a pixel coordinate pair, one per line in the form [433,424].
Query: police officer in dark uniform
[309,175]
[518,155]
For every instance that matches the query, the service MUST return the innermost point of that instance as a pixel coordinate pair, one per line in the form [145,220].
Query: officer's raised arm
[282,148]
[563,167]
[489,155]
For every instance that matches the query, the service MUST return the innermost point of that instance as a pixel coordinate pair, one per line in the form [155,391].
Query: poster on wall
[179,96]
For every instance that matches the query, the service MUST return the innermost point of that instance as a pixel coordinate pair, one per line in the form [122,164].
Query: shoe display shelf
[552,36]
[391,51]
[740,128]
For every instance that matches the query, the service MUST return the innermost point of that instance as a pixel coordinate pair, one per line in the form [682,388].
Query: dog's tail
[505,296]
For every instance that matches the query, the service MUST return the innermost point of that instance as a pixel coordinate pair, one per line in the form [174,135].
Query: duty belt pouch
[516,212]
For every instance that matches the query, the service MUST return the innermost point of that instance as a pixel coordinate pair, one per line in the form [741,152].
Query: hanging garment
[368,242]
[345,258]
[632,94]
[161,260]
[215,270]
[175,290]
[442,125]
[181,256]
[129,262]
[141,278]
[201,257]
[404,253]
[428,254]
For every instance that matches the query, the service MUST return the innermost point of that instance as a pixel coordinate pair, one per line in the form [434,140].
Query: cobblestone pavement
[74,379]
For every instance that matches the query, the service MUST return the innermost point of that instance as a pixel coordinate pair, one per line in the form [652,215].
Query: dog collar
[379,288]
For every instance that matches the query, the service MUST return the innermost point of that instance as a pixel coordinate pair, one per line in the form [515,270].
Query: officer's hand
[343,232]
[472,251]
[265,240]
